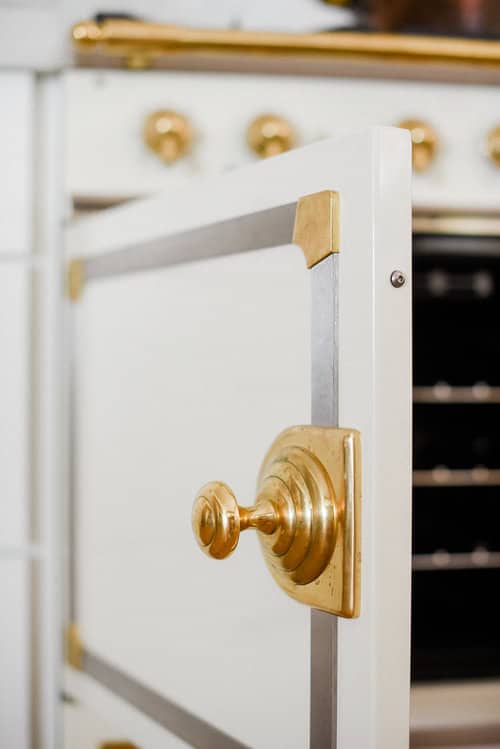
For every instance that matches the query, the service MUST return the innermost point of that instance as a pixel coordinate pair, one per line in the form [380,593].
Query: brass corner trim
[73,647]
[75,279]
[317,230]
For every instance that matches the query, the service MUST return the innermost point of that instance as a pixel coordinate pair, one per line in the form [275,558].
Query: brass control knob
[424,141]
[493,145]
[168,134]
[306,515]
[270,135]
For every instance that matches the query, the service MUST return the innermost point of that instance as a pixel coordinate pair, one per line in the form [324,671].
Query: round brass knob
[493,145]
[306,514]
[168,134]
[424,143]
[218,519]
[269,135]
[294,513]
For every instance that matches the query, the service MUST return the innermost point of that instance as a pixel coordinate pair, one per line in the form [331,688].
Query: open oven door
[252,329]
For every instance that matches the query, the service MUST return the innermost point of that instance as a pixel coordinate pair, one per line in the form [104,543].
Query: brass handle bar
[129,38]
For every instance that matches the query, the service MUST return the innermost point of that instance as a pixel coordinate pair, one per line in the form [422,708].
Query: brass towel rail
[142,41]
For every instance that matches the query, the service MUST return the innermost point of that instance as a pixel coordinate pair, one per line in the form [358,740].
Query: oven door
[255,329]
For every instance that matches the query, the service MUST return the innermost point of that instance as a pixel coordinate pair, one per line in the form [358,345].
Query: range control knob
[493,145]
[168,134]
[269,135]
[424,141]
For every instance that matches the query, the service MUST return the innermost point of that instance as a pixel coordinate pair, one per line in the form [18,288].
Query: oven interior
[456,454]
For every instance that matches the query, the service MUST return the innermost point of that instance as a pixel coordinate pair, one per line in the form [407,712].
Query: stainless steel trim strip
[324,412]
[176,719]
[255,231]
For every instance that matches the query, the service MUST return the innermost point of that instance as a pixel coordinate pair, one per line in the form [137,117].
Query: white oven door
[252,328]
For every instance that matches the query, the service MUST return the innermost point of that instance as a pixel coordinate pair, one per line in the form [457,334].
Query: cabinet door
[203,323]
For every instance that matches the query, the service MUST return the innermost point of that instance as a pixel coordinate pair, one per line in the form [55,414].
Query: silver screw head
[398,279]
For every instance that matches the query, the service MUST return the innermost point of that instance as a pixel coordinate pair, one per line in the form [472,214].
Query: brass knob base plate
[321,469]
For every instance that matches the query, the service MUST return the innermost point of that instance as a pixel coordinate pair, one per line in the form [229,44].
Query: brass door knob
[493,145]
[218,519]
[168,134]
[270,135]
[424,141]
[306,514]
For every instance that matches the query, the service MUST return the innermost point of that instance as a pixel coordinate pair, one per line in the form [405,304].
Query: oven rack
[479,559]
[443,476]
[441,392]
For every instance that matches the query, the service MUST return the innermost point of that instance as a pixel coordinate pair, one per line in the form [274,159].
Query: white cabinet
[15,334]
[15,665]
[16,151]
[15,661]
[17,146]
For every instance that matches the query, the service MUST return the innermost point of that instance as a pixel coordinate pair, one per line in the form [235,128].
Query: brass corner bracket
[317,230]
[75,279]
[73,647]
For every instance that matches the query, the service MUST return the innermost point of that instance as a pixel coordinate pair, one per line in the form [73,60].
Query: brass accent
[317,225]
[138,61]
[493,145]
[424,141]
[125,38]
[168,134]
[269,135]
[307,514]
[117,745]
[74,649]
[75,279]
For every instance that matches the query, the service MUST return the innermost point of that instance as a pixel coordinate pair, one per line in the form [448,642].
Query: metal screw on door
[398,279]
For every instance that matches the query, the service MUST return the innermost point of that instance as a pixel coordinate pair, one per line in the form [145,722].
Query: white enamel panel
[185,375]
[14,404]
[16,161]
[106,111]
[119,351]
[15,695]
